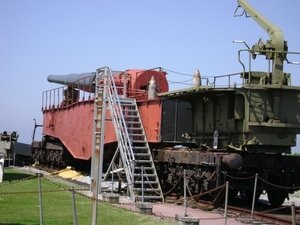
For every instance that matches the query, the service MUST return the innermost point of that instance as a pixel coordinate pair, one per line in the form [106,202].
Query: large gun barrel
[82,81]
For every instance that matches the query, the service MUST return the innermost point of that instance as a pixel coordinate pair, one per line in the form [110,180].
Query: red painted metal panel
[71,118]
[73,125]
[151,114]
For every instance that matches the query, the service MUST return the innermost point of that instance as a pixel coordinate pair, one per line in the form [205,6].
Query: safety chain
[204,193]
[218,195]
[275,209]
[267,182]
[192,196]
[239,178]
[56,184]
[83,194]
[166,193]
[29,192]
[62,187]
[18,181]
[33,192]
[278,186]
[210,191]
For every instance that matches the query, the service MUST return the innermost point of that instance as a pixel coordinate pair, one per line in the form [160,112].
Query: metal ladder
[132,141]
[143,159]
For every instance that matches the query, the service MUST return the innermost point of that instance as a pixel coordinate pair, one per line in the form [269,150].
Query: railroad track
[260,216]
[265,215]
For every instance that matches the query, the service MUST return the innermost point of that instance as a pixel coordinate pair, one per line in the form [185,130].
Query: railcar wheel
[276,197]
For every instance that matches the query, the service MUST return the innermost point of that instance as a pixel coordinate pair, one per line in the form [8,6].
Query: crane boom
[275,48]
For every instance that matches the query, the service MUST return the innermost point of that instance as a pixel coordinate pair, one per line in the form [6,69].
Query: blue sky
[39,38]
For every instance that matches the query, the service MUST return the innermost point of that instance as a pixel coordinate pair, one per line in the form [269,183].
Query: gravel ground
[84,179]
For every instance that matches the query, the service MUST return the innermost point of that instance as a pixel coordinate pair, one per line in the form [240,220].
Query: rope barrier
[265,181]
[82,192]
[221,187]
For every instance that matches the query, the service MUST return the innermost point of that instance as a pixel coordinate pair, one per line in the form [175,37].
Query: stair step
[131,116]
[145,168]
[139,141]
[129,112]
[141,154]
[147,189]
[142,151]
[136,135]
[139,147]
[145,175]
[152,197]
[132,122]
[143,161]
[126,100]
[146,182]
[134,129]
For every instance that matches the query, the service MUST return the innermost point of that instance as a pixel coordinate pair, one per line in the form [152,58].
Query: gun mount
[274,49]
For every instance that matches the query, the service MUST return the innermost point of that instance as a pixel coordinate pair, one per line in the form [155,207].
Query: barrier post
[293,213]
[74,205]
[254,195]
[40,198]
[226,202]
[186,218]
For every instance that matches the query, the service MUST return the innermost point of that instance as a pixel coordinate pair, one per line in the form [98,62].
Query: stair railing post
[132,179]
[184,192]
[124,87]
[112,178]
[142,174]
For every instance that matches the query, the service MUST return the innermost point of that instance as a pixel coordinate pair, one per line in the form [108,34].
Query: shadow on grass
[12,224]
[9,176]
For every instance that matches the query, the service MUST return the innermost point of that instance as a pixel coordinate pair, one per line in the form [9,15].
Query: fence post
[40,198]
[184,192]
[293,214]
[254,196]
[226,202]
[74,205]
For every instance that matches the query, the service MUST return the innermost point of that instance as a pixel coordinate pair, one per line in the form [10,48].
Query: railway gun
[130,120]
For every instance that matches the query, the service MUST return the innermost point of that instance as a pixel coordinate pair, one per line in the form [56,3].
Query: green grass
[19,204]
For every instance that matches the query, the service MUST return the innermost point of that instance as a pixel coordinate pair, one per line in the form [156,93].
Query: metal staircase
[132,142]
